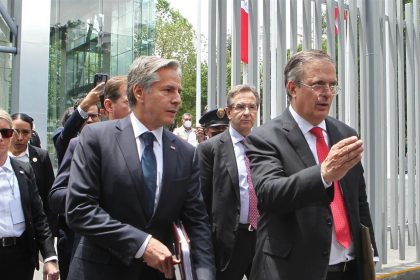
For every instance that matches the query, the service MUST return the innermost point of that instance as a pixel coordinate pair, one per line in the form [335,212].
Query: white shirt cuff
[140,252]
[82,113]
[53,258]
[325,183]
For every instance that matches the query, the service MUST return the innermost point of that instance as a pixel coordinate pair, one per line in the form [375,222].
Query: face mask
[187,124]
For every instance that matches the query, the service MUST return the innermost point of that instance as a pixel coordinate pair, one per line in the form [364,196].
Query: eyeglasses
[23,132]
[242,107]
[6,132]
[93,115]
[318,88]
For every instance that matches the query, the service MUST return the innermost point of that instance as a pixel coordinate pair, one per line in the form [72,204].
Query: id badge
[17,211]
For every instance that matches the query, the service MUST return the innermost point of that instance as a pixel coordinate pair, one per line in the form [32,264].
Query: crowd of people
[285,200]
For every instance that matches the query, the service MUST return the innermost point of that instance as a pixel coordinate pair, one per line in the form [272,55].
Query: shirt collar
[139,129]
[303,124]
[7,166]
[25,153]
[235,135]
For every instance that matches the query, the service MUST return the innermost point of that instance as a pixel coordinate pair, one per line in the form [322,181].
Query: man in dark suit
[84,113]
[115,107]
[24,231]
[311,208]
[130,179]
[226,189]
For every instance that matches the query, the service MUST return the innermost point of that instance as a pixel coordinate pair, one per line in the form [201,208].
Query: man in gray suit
[130,179]
[309,182]
[226,187]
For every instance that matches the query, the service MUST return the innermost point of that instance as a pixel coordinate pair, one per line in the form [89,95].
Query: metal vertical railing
[376,46]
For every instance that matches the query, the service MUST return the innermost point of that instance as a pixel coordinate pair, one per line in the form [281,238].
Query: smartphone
[97,79]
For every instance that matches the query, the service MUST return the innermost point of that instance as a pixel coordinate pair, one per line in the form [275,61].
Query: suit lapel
[228,154]
[170,162]
[297,140]
[127,143]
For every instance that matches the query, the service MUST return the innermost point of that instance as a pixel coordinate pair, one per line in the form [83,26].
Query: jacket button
[329,221]
[325,253]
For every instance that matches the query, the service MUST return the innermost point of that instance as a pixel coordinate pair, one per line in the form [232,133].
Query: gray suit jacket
[295,230]
[104,204]
[220,187]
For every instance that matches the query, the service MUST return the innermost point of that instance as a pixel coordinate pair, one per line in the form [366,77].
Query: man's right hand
[341,158]
[92,97]
[159,257]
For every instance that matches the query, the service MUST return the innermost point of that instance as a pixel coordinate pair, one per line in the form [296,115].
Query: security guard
[214,122]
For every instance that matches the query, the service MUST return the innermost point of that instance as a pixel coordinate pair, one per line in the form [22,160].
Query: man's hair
[186,115]
[295,67]
[112,88]
[24,117]
[5,116]
[142,72]
[66,115]
[242,88]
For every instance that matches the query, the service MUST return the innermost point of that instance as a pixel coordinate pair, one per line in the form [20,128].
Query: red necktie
[341,222]
[254,215]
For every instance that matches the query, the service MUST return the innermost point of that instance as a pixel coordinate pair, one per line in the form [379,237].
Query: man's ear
[228,112]
[138,93]
[108,105]
[291,88]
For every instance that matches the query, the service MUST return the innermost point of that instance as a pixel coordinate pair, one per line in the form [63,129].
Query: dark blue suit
[104,204]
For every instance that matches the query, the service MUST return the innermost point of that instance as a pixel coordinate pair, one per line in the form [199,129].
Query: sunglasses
[6,132]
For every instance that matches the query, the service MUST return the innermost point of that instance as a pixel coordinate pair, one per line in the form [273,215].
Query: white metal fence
[377,52]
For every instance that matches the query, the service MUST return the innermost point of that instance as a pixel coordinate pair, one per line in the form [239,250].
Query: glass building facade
[5,59]
[89,37]
[85,37]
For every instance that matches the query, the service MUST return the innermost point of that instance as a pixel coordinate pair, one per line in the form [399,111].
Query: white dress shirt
[139,129]
[9,192]
[338,253]
[242,174]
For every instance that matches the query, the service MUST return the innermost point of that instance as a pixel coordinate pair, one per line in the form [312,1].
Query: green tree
[175,39]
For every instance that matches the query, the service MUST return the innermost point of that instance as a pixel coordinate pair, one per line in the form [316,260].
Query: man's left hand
[51,271]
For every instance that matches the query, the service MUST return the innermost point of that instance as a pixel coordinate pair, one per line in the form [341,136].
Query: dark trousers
[64,251]
[350,274]
[16,262]
[241,260]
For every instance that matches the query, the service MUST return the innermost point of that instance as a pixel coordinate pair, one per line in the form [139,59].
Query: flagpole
[198,73]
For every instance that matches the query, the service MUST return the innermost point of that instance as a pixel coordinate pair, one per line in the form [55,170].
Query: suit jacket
[38,237]
[220,187]
[58,192]
[62,137]
[295,229]
[105,197]
[44,174]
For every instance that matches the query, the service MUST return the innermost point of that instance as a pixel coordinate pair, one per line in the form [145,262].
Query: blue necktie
[149,169]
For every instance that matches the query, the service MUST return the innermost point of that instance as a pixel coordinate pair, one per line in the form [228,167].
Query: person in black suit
[86,111]
[311,208]
[130,179]
[115,107]
[24,230]
[38,158]
[225,187]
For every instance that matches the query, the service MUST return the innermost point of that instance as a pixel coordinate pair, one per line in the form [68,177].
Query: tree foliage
[175,39]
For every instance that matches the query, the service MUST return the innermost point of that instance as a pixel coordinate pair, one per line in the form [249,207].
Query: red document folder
[182,251]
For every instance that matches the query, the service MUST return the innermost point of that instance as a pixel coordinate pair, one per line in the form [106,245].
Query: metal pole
[211,76]
[198,72]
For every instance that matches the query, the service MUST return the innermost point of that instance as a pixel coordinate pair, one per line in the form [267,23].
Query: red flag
[336,19]
[244,31]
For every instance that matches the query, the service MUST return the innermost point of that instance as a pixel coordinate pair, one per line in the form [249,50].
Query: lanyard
[11,184]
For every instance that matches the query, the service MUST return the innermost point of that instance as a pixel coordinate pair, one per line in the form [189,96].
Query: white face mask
[187,124]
